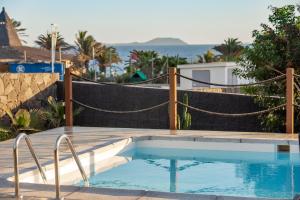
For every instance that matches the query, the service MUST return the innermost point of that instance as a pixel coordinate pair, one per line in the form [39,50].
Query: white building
[219,72]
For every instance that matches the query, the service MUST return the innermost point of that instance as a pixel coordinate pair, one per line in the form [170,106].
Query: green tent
[138,76]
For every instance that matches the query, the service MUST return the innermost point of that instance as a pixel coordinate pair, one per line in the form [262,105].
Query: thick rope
[275,70]
[296,83]
[120,84]
[232,115]
[237,85]
[120,112]
[296,75]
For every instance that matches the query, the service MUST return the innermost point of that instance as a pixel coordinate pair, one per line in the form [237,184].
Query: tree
[230,49]
[146,61]
[152,64]
[45,40]
[275,47]
[20,30]
[86,43]
[200,59]
[209,56]
[169,61]
[107,55]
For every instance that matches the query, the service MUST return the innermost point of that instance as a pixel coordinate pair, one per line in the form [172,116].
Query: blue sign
[37,68]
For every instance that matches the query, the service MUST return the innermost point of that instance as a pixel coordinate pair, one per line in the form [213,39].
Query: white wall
[185,84]
[218,73]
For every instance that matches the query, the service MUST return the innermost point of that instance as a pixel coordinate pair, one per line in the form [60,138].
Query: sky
[123,21]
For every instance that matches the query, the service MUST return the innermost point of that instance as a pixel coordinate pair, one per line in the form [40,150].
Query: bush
[54,114]
[276,47]
[4,135]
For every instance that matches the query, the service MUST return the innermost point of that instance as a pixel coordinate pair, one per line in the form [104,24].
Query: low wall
[26,90]
[132,98]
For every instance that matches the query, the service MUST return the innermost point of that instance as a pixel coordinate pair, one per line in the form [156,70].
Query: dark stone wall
[132,98]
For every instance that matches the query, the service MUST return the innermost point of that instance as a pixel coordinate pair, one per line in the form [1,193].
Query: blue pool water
[246,174]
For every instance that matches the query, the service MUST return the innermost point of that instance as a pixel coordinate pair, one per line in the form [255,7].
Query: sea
[187,51]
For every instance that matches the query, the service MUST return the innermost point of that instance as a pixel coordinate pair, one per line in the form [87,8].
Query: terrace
[110,150]
[132,141]
[89,138]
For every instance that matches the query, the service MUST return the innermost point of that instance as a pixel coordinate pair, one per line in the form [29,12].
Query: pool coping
[69,191]
[216,139]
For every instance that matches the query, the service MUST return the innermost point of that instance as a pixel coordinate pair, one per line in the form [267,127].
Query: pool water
[244,174]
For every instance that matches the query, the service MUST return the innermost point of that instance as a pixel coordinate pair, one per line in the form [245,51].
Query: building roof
[138,76]
[11,49]
[208,65]
[8,34]
[17,54]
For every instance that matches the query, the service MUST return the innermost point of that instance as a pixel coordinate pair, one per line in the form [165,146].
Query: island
[157,42]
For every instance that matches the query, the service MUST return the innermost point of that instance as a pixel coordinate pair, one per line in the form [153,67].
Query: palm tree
[230,49]
[106,55]
[18,27]
[169,61]
[44,41]
[200,59]
[86,43]
[209,56]
[147,61]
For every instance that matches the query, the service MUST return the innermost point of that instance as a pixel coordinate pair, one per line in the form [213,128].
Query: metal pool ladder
[56,163]
[16,161]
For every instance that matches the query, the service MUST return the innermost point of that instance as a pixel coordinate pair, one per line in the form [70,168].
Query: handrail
[16,161]
[56,162]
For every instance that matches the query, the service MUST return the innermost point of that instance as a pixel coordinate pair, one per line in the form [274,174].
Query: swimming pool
[211,172]
[205,167]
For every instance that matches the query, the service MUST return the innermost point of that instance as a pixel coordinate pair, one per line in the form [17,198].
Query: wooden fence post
[68,97]
[290,100]
[173,98]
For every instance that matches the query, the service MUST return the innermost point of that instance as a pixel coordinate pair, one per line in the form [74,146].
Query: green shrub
[54,114]
[5,135]
[22,121]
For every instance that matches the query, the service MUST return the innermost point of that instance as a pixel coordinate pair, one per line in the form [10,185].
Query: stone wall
[26,90]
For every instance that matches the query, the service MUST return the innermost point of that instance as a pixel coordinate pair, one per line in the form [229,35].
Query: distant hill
[165,41]
[157,42]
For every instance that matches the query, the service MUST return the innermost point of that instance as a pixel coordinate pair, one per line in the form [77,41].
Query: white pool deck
[85,138]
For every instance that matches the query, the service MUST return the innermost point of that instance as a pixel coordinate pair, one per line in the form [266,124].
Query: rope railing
[297,105]
[121,84]
[120,112]
[232,114]
[273,69]
[290,78]
[233,85]
[296,75]
[297,85]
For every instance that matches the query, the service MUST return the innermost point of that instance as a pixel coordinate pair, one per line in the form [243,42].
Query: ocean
[188,51]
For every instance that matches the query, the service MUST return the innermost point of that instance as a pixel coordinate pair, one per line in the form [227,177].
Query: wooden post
[173,98]
[68,97]
[290,100]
